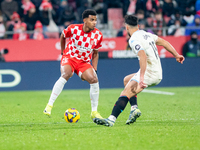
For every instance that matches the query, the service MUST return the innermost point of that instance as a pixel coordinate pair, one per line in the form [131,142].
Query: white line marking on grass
[56,123]
[157,92]
[48,123]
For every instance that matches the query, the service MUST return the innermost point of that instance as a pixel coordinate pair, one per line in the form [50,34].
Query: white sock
[133,107]
[112,118]
[57,89]
[94,95]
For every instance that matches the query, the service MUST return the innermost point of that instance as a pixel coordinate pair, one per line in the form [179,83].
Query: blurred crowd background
[39,19]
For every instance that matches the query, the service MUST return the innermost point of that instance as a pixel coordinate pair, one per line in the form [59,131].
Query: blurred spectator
[74,3]
[188,17]
[7,8]
[110,4]
[45,4]
[143,26]
[80,7]
[97,5]
[192,47]
[158,23]
[20,9]
[38,32]
[31,17]
[168,7]
[63,4]
[27,5]
[20,32]
[55,4]
[16,21]
[176,29]
[186,5]
[149,6]
[195,26]
[125,6]
[37,3]
[45,12]
[175,17]
[132,7]
[66,17]
[2,28]
[197,7]
[141,18]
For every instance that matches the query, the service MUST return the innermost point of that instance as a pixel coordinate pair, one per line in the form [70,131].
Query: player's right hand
[180,59]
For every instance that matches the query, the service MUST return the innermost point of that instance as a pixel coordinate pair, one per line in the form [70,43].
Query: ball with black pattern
[72,115]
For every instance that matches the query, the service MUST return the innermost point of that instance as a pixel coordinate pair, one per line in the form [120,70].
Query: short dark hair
[88,12]
[193,32]
[140,11]
[131,20]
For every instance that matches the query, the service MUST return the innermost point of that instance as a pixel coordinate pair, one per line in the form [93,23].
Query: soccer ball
[72,115]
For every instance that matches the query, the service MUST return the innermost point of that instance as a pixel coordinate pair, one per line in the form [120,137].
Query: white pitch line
[157,92]
[56,123]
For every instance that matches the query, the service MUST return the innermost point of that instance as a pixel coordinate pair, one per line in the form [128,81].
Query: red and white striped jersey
[81,44]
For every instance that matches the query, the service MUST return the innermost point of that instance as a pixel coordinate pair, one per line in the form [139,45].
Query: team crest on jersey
[137,47]
[91,42]
[65,60]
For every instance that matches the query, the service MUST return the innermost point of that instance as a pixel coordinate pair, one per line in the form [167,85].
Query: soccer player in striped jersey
[82,48]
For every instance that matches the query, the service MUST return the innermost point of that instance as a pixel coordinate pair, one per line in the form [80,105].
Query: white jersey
[142,40]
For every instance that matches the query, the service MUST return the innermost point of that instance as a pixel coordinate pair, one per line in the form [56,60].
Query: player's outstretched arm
[62,42]
[170,48]
[95,58]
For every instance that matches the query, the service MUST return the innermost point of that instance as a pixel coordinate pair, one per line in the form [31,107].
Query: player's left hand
[142,84]
[180,59]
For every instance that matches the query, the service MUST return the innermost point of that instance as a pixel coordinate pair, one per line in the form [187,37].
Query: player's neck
[133,30]
[86,29]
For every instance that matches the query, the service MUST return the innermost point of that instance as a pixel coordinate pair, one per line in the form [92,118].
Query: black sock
[119,106]
[133,100]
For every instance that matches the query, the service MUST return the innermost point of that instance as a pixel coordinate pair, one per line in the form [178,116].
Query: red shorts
[78,66]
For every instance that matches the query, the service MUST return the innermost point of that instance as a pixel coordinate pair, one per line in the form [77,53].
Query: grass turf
[167,121]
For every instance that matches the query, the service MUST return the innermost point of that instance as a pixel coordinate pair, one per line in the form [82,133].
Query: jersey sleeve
[99,44]
[67,32]
[153,36]
[136,46]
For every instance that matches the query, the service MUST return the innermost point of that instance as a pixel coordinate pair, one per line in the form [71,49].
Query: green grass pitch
[168,122]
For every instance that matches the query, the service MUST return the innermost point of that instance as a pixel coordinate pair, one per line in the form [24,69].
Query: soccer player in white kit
[150,73]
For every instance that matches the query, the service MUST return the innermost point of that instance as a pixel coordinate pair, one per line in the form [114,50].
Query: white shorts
[150,79]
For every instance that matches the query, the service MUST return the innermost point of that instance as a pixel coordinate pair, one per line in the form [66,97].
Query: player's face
[127,29]
[91,22]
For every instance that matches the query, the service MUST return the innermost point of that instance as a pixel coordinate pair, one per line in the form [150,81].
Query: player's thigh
[89,75]
[127,78]
[66,71]
[131,89]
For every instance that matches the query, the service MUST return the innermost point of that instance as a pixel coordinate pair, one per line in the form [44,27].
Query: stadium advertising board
[49,49]
[41,75]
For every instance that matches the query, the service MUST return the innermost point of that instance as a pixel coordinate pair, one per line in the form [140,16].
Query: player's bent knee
[93,80]
[125,81]
[66,75]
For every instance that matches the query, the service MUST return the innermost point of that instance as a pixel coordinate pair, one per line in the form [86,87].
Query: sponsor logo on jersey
[137,47]
[146,37]
[91,41]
